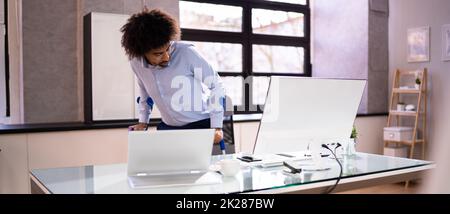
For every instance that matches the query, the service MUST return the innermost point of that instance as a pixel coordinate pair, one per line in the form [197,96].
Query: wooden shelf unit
[419,113]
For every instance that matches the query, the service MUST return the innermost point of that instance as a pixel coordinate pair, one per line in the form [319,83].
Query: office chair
[228,129]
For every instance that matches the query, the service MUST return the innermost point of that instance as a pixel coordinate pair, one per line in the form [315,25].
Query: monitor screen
[302,112]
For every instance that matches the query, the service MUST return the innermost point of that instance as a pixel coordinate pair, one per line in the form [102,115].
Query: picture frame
[446,42]
[418,44]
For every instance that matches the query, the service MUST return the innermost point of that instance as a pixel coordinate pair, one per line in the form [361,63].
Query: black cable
[292,168]
[340,165]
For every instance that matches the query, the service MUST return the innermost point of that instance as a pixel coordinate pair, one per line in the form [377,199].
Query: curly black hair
[148,30]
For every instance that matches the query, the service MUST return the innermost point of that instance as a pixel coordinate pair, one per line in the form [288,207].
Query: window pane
[275,22]
[278,59]
[223,57]
[233,89]
[303,2]
[260,87]
[210,16]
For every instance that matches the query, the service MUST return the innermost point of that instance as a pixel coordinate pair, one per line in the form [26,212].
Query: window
[206,16]
[248,41]
[274,22]
[225,57]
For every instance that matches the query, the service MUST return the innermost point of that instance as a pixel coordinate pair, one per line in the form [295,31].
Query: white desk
[363,170]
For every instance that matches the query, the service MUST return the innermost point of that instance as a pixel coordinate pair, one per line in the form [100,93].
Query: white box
[397,134]
[401,151]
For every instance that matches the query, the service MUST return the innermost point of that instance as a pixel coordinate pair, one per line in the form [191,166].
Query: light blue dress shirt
[181,96]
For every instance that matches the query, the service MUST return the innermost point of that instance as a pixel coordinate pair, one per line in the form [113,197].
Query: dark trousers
[201,124]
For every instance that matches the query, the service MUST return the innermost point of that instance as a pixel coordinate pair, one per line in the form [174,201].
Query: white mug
[229,167]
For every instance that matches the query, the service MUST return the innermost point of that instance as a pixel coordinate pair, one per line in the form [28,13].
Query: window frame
[6,54]
[247,39]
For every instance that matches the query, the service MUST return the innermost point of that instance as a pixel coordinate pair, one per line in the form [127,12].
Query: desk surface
[113,178]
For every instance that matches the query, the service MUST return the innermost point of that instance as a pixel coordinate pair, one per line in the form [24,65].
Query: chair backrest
[228,105]
[228,129]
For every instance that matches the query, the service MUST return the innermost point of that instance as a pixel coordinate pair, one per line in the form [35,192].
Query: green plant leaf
[354,133]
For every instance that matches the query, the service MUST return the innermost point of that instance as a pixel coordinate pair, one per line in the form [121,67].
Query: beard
[164,64]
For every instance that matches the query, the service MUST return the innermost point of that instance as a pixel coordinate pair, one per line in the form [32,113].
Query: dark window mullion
[258,4]
[259,74]
[211,36]
[307,67]
[230,74]
[307,31]
[8,110]
[247,52]
[258,39]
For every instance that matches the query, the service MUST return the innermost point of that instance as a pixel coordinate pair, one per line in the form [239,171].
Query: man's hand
[218,136]
[138,127]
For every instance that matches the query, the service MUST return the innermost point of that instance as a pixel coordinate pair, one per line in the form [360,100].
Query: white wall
[406,14]
[370,134]
[416,13]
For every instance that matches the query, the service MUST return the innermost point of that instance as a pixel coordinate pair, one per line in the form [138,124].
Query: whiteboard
[2,73]
[114,85]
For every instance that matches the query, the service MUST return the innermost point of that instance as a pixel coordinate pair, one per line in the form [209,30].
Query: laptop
[170,158]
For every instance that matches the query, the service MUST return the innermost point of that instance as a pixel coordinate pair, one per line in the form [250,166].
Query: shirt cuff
[217,120]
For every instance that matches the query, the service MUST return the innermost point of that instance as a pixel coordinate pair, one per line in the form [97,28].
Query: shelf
[402,86]
[407,142]
[404,113]
[411,72]
[406,91]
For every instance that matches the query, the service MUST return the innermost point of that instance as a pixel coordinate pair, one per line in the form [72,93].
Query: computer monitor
[302,112]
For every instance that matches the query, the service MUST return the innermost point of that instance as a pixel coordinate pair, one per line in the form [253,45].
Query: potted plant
[351,146]
[418,82]
[400,106]
[354,134]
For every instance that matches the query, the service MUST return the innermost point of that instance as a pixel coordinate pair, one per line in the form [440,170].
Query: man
[182,84]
